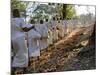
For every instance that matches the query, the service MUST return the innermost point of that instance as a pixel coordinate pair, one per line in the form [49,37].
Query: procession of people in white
[29,44]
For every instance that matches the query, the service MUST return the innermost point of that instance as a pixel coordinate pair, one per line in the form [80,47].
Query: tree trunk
[64,11]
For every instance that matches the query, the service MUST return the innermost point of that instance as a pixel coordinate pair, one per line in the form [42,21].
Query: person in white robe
[20,50]
[42,29]
[54,30]
[50,33]
[49,40]
[60,30]
[33,42]
[64,22]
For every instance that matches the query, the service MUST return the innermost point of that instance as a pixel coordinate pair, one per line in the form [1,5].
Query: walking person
[19,45]
[54,30]
[33,41]
[42,29]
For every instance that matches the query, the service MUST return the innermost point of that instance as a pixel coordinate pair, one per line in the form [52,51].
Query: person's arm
[27,29]
[24,27]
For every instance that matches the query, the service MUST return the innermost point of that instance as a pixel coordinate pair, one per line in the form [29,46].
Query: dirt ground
[70,53]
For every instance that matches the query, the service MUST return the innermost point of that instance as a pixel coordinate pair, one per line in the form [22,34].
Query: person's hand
[25,29]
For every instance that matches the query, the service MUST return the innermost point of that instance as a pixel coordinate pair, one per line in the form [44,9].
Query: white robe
[19,45]
[64,22]
[54,31]
[33,43]
[50,34]
[42,29]
[50,38]
[61,30]
[54,34]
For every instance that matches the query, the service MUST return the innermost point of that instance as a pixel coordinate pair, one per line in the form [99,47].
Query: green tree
[21,5]
[68,11]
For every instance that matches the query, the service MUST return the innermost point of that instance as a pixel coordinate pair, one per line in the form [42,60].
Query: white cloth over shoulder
[16,28]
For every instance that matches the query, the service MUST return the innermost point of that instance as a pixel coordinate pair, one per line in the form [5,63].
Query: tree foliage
[21,5]
[41,11]
[68,11]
